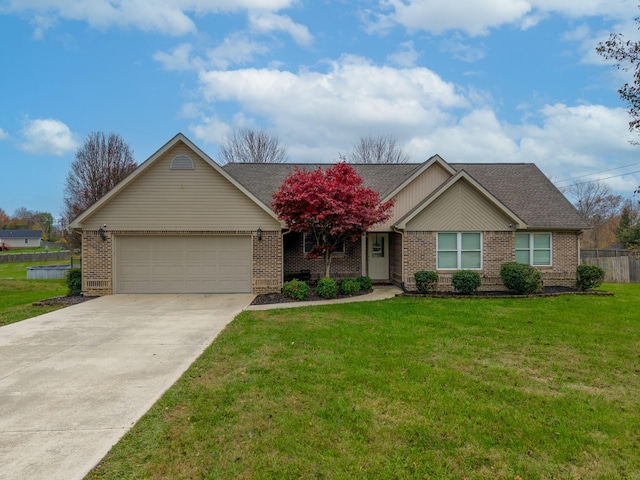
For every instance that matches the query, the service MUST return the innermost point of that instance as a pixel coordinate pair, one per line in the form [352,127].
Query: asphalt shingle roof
[22,233]
[521,187]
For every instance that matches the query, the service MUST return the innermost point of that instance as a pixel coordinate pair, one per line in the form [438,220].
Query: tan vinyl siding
[460,208]
[413,194]
[178,200]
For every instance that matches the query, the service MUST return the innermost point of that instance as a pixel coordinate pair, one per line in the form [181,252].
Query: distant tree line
[24,218]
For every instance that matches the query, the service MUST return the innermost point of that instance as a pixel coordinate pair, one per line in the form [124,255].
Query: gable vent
[182,162]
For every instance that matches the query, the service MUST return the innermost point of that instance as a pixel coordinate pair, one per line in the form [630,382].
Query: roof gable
[524,189]
[148,164]
[463,176]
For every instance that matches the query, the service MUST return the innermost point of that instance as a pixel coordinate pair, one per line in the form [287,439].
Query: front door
[378,256]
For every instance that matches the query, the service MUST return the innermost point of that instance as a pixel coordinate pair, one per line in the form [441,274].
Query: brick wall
[267,263]
[348,264]
[498,248]
[97,264]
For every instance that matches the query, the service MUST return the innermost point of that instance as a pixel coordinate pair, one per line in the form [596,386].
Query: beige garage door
[182,264]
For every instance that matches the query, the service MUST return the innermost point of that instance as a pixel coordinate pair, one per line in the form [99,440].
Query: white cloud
[266,22]
[354,97]
[178,59]
[236,49]
[479,16]
[461,50]
[170,17]
[47,137]
[406,56]
[3,135]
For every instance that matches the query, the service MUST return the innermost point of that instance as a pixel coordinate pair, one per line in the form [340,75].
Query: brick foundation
[498,247]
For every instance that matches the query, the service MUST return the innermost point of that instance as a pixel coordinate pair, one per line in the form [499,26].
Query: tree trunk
[327,263]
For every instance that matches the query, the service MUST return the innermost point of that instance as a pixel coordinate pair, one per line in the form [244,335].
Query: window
[26,241]
[457,251]
[308,245]
[533,248]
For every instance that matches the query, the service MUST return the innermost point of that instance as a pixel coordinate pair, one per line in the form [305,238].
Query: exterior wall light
[259,232]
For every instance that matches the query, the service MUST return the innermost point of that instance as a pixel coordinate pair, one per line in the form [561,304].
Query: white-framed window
[534,249]
[308,245]
[459,251]
[26,241]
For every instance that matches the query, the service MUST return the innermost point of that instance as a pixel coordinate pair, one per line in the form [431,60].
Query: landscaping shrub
[520,278]
[466,281]
[327,288]
[366,284]
[296,289]
[74,282]
[426,281]
[349,286]
[589,276]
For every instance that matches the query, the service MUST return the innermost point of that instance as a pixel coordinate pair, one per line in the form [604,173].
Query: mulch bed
[546,292]
[62,301]
[271,298]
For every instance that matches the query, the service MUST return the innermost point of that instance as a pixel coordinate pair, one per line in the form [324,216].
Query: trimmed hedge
[426,281]
[349,286]
[466,282]
[366,284]
[327,288]
[74,282]
[589,276]
[296,289]
[520,278]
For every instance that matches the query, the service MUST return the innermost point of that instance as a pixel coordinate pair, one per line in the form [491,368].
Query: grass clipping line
[404,388]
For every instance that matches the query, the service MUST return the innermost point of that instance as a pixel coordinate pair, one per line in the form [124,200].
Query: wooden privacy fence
[617,269]
[607,252]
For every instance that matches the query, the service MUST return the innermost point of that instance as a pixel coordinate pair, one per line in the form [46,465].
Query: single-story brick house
[21,238]
[181,223]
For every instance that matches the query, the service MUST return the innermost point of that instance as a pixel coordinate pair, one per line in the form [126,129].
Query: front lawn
[17,293]
[405,388]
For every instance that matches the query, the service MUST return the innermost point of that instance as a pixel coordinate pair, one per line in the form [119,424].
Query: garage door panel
[174,264]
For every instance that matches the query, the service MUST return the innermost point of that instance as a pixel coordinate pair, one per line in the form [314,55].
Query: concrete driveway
[72,382]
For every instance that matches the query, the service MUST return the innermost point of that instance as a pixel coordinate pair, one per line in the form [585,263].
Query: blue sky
[481,81]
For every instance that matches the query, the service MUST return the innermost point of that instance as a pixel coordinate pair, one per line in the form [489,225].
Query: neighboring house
[181,223]
[21,238]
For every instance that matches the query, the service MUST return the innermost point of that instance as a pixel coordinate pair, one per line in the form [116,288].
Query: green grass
[17,293]
[30,250]
[405,388]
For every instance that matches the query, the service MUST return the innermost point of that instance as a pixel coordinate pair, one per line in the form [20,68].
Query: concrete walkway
[379,293]
[74,381]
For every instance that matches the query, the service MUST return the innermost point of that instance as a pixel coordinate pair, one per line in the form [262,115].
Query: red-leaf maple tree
[330,205]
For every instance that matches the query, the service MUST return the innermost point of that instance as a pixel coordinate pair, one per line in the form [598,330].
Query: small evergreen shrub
[366,284]
[426,281]
[327,288]
[589,276]
[295,289]
[349,286]
[466,282]
[74,282]
[520,278]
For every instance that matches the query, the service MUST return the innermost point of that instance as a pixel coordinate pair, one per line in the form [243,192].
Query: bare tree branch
[252,146]
[380,149]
